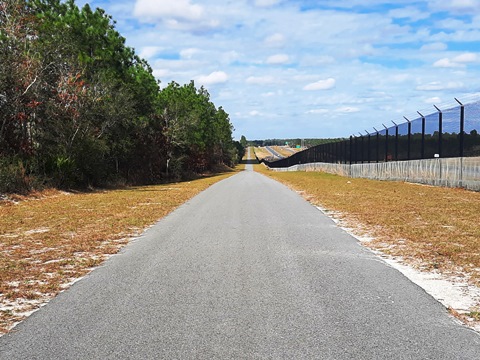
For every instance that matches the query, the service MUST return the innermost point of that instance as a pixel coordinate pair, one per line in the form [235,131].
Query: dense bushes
[78,107]
[12,176]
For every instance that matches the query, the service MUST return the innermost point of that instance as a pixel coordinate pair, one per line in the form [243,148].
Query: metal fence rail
[454,132]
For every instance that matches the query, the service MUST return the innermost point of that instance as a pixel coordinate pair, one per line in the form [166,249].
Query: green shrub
[65,171]
[13,178]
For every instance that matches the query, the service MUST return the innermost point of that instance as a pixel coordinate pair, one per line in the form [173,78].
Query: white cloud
[408,12]
[251,41]
[229,56]
[436,46]
[189,53]
[319,60]
[433,100]
[178,15]
[216,77]
[160,73]
[461,6]
[266,3]
[269,94]
[446,63]
[465,3]
[318,111]
[452,24]
[178,9]
[149,51]
[347,109]
[278,59]
[457,61]
[198,27]
[275,40]
[437,86]
[321,85]
[400,78]
[466,58]
[260,80]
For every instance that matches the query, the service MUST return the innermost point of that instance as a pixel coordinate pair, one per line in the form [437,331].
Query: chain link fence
[450,133]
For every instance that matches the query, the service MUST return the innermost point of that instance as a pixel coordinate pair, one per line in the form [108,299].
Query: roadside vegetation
[431,228]
[51,238]
[79,108]
[261,153]
[286,152]
[306,142]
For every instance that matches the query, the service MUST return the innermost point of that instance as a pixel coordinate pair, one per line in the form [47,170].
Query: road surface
[232,275]
[274,153]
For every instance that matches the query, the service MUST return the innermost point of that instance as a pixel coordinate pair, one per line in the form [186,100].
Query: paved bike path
[245,270]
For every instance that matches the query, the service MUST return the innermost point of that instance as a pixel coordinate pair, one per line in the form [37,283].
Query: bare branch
[29,86]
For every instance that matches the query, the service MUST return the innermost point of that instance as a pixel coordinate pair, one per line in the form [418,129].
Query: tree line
[78,107]
[293,142]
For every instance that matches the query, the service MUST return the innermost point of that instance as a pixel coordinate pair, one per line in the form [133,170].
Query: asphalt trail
[245,270]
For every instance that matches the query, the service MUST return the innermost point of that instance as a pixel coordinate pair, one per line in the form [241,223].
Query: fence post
[440,131]
[368,147]
[354,149]
[396,140]
[377,146]
[409,137]
[386,143]
[362,145]
[351,148]
[338,151]
[423,134]
[462,127]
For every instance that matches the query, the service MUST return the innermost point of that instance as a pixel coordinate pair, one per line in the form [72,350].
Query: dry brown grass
[49,239]
[261,152]
[429,227]
[283,151]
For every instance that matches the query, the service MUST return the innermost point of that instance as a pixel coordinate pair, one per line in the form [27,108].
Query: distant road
[232,275]
[274,153]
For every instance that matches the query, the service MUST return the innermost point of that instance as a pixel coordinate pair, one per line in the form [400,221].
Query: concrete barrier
[451,172]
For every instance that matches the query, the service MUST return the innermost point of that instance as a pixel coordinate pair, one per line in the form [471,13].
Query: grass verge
[50,239]
[286,152]
[261,153]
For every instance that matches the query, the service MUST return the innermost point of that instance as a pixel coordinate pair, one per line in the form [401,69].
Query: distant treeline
[292,142]
[78,107]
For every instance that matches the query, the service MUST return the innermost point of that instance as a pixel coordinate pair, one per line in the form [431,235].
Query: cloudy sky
[310,68]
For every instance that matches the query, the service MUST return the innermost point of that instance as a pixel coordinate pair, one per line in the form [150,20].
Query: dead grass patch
[51,238]
[261,153]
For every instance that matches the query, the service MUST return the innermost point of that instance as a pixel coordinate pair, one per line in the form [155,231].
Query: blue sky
[310,69]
